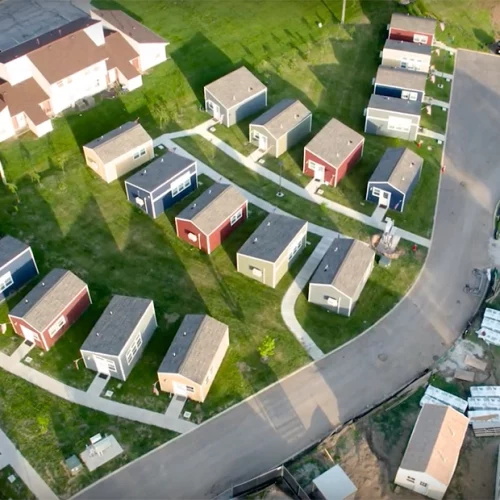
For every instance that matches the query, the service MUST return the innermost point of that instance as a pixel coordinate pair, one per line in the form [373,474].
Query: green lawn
[384,289]
[436,121]
[265,189]
[16,490]
[433,89]
[47,430]
[236,136]
[444,61]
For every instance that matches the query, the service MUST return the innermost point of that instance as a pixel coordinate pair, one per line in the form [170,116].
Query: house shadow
[114,5]
[200,50]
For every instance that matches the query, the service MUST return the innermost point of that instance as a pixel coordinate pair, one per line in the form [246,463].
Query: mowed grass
[237,136]
[16,490]
[384,289]
[434,90]
[47,430]
[436,121]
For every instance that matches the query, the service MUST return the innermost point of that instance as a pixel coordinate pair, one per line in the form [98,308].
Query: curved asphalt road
[278,422]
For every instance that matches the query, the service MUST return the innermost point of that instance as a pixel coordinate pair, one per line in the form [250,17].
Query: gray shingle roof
[116,324]
[394,104]
[195,345]
[335,142]
[235,87]
[213,207]
[344,265]
[414,48]
[49,298]
[119,141]
[398,167]
[402,78]
[282,117]
[160,171]
[272,237]
[10,248]
[413,23]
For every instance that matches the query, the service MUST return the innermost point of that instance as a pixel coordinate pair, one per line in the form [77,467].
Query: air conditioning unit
[139,201]
[257,272]
[192,237]
[332,302]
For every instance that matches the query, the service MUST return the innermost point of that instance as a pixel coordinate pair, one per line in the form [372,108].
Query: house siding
[396,201]
[412,187]
[393,58]
[89,362]
[350,161]
[247,108]
[163,198]
[434,489]
[330,172]
[6,125]
[377,124]
[222,232]
[134,192]
[282,265]
[23,269]
[223,110]
[294,136]
[271,141]
[319,295]
[245,264]
[395,91]
[184,227]
[407,36]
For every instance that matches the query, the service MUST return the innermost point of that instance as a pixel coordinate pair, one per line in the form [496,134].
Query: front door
[263,142]
[215,109]
[28,334]
[180,389]
[319,172]
[384,199]
[101,365]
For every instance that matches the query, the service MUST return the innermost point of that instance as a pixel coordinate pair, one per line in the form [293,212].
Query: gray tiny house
[235,96]
[281,127]
[393,117]
[119,337]
[341,276]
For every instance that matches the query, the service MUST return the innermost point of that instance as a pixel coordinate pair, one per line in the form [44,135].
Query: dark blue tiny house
[17,266]
[400,83]
[395,178]
[162,183]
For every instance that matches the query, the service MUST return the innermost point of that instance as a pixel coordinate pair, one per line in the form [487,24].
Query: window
[139,153]
[256,272]
[420,38]
[132,350]
[406,94]
[57,326]
[376,191]
[236,217]
[181,184]
[399,124]
[6,281]
[296,248]
[111,365]
[410,479]
[189,388]
[423,484]
[60,84]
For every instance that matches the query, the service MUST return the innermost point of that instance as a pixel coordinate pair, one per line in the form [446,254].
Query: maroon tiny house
[212,217]
[333,151]
[47,312]
[412,29]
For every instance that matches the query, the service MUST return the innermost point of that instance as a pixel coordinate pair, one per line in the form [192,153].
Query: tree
[35,176]
[13,189]
[267,347]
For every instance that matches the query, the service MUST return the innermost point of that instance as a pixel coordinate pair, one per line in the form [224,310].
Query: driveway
[287,417]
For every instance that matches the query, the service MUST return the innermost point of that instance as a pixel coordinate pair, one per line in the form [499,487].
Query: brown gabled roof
[24,97]
[67,56]
[120,54]
[127,25]
[435,442]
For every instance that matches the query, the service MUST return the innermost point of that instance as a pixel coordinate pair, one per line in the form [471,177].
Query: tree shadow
[485,39]
[114,5]
[200,50]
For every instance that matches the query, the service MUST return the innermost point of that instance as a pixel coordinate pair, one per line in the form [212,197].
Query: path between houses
[436,102]
[449,76]
[91,399]
[425,132]
[11,456]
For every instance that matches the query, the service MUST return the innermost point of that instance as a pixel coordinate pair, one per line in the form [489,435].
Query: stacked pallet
[484,410]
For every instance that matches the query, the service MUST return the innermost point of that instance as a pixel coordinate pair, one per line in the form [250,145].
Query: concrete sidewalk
[21,352]
[436,102]
[292,294]
[97,385]
[432,135]
[442,75]
[24,470]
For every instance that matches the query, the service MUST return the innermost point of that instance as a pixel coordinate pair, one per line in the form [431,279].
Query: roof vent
[97,334]
[336,248]
[349,142]
[234,98]
[184,333]
[162,160]
[402,177]
[209,191]
[250,89]
[144,172]
[297,116]
[111,313]
[194,206]
[255,240]
[173,354]
[43,283]
[268,224]
[326,268]
[26,301]
[412,164]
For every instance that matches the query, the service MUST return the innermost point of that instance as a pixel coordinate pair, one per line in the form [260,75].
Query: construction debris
[464,375]
[476,363]
[436,396]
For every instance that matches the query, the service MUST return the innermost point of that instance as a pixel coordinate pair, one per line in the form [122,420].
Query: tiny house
[412,29]
[17,266]
[407,55]
[400,83]
[162,183]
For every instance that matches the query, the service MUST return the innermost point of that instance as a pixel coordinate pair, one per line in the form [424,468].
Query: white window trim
[296,248]
[236,217]
[56,327]
[376,192]
[399,124]
[420,38]
[6,281]
[140,153]
[181,184]
[189,388]
[134,348]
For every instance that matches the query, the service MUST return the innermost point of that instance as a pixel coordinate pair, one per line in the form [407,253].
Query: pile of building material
[490,327]
[484,410]
[435,396]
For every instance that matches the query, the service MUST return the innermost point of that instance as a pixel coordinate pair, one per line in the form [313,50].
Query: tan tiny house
[194,357]
[119,151]
[269,252]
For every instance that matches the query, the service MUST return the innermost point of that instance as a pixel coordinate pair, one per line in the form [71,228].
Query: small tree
[267,347]
[35,176]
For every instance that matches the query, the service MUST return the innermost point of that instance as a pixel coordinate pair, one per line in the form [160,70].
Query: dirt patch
[171,318]
[455,360]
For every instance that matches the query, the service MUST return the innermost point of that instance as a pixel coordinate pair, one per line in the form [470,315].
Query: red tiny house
[411,36]
[413,29]
[50,309]
[214,215]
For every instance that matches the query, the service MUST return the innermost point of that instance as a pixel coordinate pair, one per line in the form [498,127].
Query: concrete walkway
[97,385]
[432,135]
[441,74]
[256,155]
[441,45]
[292,294]
[175,407]
[24,470]
[379,214]
[90,400]
[436,102]
[22,351]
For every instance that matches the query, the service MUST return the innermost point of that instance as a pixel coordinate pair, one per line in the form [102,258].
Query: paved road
[265,430]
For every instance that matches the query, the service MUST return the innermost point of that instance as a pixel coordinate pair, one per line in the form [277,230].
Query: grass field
[384,289]
[436,121]
[47,430]
[16,490]
[433,90]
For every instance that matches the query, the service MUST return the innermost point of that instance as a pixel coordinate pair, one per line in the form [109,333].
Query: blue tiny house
[162,183]
[395,178]
[400,83]
[17,266]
